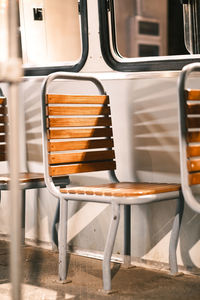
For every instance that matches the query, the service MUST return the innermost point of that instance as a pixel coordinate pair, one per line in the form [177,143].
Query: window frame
[138,64]
[61,66]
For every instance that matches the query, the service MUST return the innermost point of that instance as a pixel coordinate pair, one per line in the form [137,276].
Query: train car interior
[99,128]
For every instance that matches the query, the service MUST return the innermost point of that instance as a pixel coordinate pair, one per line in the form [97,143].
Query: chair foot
[109,292]
[177,274]
[54,247]
[64,281]
[127,263]
[128,267]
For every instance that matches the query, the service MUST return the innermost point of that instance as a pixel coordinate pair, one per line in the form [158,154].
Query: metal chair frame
[189,197]
[115,202]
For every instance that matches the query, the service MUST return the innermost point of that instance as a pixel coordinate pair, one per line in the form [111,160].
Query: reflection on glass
[50,31]
[148,27]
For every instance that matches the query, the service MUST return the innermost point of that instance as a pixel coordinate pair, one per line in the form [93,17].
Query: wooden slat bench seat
[123,189]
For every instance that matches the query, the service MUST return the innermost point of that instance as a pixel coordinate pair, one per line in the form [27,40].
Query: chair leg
[23,216]
[54,229]
[109,247]
[127,236]
[175,235]
[62,245]
[56,220]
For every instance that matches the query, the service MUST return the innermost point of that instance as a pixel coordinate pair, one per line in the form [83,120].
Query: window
[51,35]
[138,29]
[144,28]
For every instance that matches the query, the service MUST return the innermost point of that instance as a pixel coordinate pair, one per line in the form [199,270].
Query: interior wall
[147,149]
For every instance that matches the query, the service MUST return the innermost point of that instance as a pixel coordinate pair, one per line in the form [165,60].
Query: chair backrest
[189,135]
[3,125]
[192,119]
[79,134]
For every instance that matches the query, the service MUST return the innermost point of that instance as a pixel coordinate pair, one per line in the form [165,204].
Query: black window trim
[45,70]
[170,63]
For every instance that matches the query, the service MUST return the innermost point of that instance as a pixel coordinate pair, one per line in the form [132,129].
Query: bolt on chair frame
[115,193]
[189,136]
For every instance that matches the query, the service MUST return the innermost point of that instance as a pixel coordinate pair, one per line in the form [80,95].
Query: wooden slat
[193,137]
[2,100]
[77,122]
[3,156]
[77,99]
[192,94]
[78,110]
[193,109]
[2,147]
[193,165]
[193,122]
[3,110]
[62,158]
[79,145]
[2,128]
[193,151]
[3,119]
[194,178]
[2,138]
[80,168]
[80,133]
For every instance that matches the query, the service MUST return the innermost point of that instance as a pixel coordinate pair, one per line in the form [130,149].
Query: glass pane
[148,50]
[148,27]
[50,31]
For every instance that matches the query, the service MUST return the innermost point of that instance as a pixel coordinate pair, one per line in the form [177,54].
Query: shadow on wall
[155,128]
[154,117]
[33,127]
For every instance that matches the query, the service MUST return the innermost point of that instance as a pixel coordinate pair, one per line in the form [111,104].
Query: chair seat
[23,177]
[123,189]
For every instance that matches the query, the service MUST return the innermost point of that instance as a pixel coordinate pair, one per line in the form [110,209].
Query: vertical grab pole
[14,65]
[127,235]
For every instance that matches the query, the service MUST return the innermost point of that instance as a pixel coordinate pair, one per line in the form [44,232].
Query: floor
[40,279]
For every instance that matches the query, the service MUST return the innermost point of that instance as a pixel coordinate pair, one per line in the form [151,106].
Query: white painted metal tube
[15,200]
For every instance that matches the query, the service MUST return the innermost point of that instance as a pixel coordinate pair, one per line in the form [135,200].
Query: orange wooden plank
[193,151]
[193,122]
[193,137]
[192,94]
[62,158]
[193,109]
[80,168]
[194,178]
[2,128]
[3,157]
[77,99]
[3,110]
[79,145]
[193,165]
[78,111]
[78,122]
[2,138]
[2,100]
[79,133]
